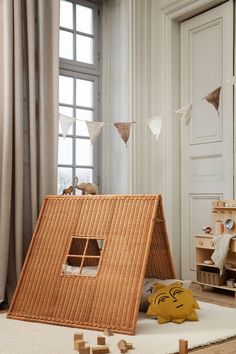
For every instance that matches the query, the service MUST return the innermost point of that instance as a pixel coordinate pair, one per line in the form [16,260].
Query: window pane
[84,49]
[64,178]
[84,19]
[66,89]
[66,45]
[66,14]
[65,151]
[90,266]
[77,246]
[84,93]
[81,127]
[84,175]
[68,112]
[83,152]
[94,247]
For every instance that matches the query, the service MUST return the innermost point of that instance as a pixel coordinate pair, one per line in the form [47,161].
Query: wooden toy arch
[68,280]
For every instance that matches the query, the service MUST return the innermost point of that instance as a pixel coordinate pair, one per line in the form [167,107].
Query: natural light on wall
[78,90]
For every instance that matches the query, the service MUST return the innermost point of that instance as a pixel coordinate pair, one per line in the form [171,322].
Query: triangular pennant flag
[94,129]
[232,80]
[66,123]
[155,125]
[124,130]
[214,98]
[185,112]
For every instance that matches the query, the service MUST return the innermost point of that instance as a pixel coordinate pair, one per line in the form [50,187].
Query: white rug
[215,324]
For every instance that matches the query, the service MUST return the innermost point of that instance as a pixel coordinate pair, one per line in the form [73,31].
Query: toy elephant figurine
[87,188]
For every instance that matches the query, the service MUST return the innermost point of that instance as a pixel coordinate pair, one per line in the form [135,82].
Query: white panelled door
[207,143]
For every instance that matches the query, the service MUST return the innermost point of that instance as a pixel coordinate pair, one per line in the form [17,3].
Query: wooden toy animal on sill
[68,190]
[87,188]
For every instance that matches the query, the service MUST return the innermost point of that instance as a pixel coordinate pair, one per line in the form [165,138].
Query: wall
[133,90]
[115,96]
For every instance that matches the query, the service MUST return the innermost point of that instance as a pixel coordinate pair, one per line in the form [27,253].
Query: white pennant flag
[185,112]
[232,80]
[94,129]
[155,125]
[66,123]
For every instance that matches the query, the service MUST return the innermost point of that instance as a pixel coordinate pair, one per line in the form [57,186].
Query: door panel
[207,143]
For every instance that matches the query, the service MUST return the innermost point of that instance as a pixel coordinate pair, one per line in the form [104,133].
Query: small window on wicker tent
[84,256]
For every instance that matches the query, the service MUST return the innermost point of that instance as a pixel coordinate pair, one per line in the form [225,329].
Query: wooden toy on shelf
[207,272]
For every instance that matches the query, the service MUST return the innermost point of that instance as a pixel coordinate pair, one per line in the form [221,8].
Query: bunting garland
[155,123]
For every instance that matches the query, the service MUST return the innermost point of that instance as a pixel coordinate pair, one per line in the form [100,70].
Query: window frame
[72,64]
[86,71]
[84,256]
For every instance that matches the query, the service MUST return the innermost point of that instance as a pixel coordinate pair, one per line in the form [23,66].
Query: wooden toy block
[100,350]
[129,345]
[108,332]
[79,344]
[124,350]
[78,336]
[183,346]
[84,350]
[101,340]
[122,344]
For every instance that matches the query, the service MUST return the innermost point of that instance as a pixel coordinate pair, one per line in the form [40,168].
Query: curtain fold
[29,40]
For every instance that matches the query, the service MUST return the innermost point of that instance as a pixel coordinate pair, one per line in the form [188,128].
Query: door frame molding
[173,12]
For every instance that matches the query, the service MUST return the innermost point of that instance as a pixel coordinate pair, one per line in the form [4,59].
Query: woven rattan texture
[135,245]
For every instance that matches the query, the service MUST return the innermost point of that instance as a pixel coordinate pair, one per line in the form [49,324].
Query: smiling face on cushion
[172,303]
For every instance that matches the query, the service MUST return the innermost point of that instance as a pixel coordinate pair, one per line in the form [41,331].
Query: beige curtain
[29,31]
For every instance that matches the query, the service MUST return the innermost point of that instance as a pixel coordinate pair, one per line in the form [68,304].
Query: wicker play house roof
[88,258]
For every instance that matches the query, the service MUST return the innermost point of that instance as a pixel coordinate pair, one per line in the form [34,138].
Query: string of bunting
[95,128]
[184,113]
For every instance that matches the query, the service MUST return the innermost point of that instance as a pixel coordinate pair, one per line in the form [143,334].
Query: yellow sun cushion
[172,303]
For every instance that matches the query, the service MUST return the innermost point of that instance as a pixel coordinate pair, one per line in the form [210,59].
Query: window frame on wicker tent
[90,72]
[83,256]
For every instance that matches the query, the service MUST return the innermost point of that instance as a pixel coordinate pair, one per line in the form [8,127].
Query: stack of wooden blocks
[101,348]
[79,345]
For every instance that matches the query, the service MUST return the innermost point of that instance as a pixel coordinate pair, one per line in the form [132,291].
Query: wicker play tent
[88,258]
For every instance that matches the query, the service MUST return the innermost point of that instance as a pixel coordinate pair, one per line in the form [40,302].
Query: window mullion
[74,31]
[74,132]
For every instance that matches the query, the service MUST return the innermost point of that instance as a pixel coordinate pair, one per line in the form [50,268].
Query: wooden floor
[222,298]
[214,296]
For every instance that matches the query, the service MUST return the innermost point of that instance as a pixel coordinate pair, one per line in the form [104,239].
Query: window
[78,90]
[83,257]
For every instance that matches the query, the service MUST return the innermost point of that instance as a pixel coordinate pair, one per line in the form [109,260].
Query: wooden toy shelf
[209,274]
